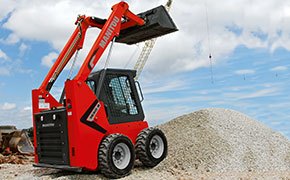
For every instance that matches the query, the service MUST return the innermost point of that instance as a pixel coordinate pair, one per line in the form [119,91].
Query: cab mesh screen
[120,98]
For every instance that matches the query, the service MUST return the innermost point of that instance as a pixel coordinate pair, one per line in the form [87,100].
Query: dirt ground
[27,172]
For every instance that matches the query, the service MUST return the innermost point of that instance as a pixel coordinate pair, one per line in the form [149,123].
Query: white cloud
[245,71]
[6,7]
[11,39]
[9,66]
[27,108]
[3,55]
[239,88]
[18,115]
[158,87]
[49,59]
[58,15]
[279,68]
[22,48]
[255,93]
[262,25]
[7,106]
[14,66]
[261,93]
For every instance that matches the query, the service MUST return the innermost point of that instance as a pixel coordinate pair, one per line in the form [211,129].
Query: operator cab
[116,88]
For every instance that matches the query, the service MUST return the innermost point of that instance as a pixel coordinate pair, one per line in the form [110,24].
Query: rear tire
[151,146]
[116,156]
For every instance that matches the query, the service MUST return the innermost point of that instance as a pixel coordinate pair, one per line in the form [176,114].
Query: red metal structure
[100,122]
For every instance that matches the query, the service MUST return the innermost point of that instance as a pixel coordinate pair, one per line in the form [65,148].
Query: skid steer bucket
[20,142]
[157,23]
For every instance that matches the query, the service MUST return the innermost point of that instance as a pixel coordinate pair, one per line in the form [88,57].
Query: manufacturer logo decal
[105,39]
[109,32]
[48,125]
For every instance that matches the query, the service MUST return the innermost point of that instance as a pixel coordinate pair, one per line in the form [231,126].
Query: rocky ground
[206,144]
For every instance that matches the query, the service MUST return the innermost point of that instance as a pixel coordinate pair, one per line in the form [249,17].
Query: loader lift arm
[121,18]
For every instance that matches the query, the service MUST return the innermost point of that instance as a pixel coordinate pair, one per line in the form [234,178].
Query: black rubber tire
[106,164]
[142,147]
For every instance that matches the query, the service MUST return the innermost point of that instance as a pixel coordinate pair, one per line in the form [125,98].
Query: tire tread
[140,147]
[104,165]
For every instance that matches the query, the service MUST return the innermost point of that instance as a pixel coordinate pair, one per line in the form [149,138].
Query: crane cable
[73,64]
[209,43]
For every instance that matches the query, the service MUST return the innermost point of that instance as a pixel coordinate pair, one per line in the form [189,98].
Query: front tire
[116,156]
[151,146]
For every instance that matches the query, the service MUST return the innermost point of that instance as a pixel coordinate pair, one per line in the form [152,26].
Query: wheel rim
[156,146]
[121,156]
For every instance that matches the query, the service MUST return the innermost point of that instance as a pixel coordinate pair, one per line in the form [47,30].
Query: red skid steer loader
[98,123]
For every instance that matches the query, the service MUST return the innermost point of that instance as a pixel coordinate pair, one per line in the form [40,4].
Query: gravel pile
[206,144]
[221,140]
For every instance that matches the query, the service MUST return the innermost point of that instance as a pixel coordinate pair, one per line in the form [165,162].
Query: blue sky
[249,42]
